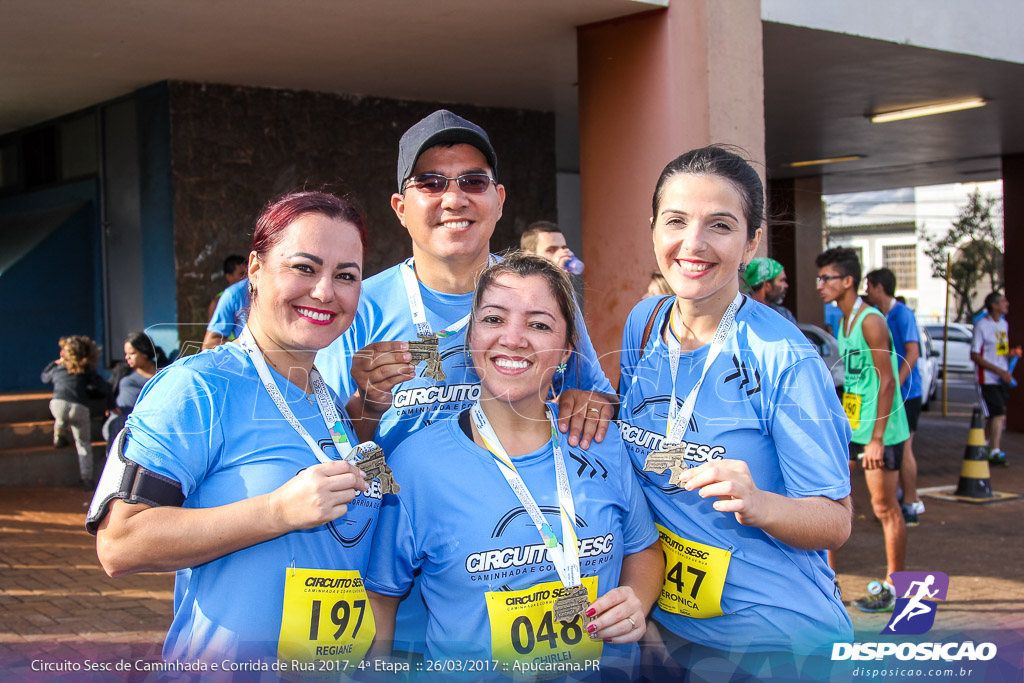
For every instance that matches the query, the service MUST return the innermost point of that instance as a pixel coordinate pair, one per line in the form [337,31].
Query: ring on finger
[596,410]
[631,623]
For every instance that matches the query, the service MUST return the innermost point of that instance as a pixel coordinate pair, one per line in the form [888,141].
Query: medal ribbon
[564,556]
[328,410]
[419,313]
[679,418]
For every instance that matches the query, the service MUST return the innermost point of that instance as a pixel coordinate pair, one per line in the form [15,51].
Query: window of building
[901,259]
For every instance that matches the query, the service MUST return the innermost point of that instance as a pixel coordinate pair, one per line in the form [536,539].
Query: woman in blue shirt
[737,436]
[269,531]
[529,550]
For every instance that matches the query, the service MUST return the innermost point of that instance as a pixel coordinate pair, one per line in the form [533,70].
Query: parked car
[828,349]
[959,346]
[928,366]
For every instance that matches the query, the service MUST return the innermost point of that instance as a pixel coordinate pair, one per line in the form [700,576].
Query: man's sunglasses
[435,183]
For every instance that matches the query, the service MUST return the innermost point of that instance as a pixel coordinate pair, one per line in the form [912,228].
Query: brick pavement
[57,605]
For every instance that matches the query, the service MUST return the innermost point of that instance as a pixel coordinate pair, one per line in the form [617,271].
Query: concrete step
[34,406]
[28,406]
[46,465]
[37,433]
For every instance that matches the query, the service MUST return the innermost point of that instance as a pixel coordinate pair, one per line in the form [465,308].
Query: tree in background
[976,241]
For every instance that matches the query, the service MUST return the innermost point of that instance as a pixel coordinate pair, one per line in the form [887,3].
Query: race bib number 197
[523,627]
[326,622]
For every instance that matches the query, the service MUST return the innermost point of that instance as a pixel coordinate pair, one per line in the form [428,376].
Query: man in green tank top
[874,405]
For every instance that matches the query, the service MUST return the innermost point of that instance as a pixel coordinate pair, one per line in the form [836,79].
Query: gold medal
[574,601]
[670,459]
[425,349]
[373,465]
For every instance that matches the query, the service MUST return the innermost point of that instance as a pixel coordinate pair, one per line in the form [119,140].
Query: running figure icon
[915,607]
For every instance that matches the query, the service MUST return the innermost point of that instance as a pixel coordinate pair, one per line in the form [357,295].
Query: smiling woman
[737,435]
[580,557]
[243,462]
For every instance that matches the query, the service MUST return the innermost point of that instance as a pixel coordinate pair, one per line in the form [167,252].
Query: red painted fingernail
[591,628]
[607,640]
[591,612]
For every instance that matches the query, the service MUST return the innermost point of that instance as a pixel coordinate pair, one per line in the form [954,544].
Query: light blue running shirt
[767,400]
[460,523]
[384,315]
[232,310]
[207,422]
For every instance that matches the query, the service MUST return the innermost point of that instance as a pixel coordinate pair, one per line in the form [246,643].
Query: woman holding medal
[529,550]
[244,462]
[736,433]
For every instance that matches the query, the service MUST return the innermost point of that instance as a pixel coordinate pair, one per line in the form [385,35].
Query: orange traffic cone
[975,478]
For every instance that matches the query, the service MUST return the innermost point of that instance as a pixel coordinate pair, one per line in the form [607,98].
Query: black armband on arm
[125,480]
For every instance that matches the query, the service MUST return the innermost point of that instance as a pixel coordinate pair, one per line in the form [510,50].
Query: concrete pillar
[651,87]
[1013,245]
[796,239]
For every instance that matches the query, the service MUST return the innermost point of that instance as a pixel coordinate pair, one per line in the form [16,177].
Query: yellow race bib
[851,404]
[523,628]
[694,577]
[326,623]
[1002,343]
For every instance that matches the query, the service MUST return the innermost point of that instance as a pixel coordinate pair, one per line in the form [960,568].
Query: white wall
[986,28]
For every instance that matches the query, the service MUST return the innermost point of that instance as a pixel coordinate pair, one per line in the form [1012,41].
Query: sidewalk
[58,606]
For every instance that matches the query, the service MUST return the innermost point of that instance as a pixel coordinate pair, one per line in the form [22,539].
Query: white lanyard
[564,556]
[679,418]
[328,410]
[419,312]
[853,316]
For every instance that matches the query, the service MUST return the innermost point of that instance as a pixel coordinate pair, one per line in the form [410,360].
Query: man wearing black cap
[449,200]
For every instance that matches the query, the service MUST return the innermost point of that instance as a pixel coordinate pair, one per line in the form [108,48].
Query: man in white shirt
[991,352]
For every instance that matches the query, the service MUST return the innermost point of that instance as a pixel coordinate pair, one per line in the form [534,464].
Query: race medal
[326,624]
[573,602]
[694,577]
[373,465]
[524,629]
[425,349]
[851,404]
[670,459]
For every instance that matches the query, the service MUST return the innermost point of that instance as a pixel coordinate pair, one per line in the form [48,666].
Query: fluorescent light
[928,110]
[819,162]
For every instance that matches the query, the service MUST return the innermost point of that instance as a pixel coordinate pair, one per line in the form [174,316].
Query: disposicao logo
[914,613]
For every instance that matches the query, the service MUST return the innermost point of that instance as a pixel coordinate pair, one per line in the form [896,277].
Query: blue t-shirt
[767,400]
[231,311]
[459,522]
[903,326]
[833,316]
[207,422]
[384,315]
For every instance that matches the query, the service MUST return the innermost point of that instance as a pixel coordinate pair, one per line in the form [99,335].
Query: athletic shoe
[909,514]
[998,458]
[883,602]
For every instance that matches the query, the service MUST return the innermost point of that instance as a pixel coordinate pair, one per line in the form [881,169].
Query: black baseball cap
[441,128]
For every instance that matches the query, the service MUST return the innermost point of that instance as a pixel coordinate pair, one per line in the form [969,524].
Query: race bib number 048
[326,620]
[523,627]
[694,577]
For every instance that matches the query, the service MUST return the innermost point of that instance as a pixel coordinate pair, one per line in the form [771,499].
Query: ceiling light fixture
[819,162]
[927,110]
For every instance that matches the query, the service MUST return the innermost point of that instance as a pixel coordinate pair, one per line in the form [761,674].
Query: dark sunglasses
[435,183]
